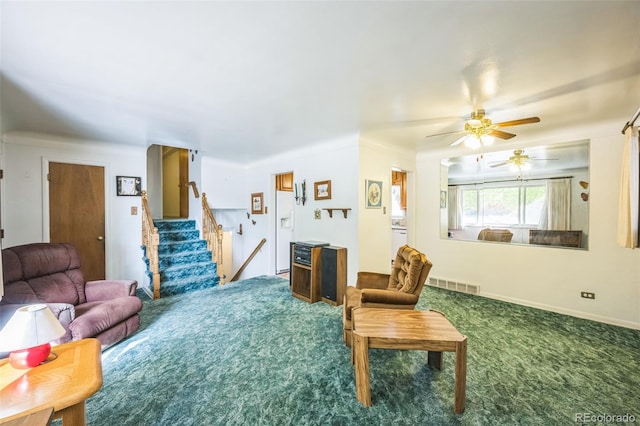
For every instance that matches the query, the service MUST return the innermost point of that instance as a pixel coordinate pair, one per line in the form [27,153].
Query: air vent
[455,286]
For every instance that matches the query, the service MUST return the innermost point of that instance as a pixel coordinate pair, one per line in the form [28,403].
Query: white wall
[335,160]
[548,278]
[376,160]
[224,183]
[26,192]
[153,181]
[195,175]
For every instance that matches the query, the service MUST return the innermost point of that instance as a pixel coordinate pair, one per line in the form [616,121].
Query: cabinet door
[284,182]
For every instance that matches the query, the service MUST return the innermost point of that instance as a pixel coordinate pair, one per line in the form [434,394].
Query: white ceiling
[243,80]
[545,160]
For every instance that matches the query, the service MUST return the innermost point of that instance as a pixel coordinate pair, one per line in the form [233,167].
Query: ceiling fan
[480,130]
[519,160]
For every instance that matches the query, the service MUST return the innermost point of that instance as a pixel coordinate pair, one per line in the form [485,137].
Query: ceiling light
[487,140]
[472,141]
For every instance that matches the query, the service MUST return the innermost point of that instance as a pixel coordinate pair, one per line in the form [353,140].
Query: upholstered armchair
[501,235]
[50,273]
[399,290]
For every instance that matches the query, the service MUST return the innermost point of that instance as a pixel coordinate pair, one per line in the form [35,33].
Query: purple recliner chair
[50,273]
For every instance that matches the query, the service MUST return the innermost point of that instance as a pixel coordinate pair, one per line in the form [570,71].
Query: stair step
[171,288]
[174,224]
[180,235]
[174,259]
[187,270]
[181,246]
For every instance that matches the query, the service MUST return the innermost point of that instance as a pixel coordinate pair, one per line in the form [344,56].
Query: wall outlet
[587,295]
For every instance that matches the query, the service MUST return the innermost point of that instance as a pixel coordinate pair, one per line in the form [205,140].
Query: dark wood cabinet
[320,276]
[548,237]
[305,275]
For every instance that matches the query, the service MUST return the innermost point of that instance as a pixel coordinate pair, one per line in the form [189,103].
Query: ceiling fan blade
[458,141]
[518,122]
[445,133]
[502,135]
[504,163]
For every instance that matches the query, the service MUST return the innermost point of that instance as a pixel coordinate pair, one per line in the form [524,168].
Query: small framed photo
[373,192]
[128,186]
[443,199]
[257,203]
[322,190]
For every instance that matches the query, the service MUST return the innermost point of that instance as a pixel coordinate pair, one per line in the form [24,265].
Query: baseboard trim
[147,292]
[570,312]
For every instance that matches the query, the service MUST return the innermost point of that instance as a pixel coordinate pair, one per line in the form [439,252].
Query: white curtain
[629,191]
[455,207]
[556,212]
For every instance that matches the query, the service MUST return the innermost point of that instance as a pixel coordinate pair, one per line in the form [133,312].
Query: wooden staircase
[177,259]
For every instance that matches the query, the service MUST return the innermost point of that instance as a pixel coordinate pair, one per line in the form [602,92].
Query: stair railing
[212,233]
[251,256]
[151,241]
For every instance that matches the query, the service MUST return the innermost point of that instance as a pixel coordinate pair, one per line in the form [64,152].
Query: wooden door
[175,179]
[76,213]
[184,179]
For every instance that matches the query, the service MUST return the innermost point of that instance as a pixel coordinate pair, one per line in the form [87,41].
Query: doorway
[77,213]
[284,220]
[398,210]
[175,175]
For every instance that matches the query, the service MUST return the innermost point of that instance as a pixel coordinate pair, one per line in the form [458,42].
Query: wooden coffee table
[62,384]
[406,329]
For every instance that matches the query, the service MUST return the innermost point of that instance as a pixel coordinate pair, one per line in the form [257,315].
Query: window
[500,206]
[470,203]
[517,204]
[534,197]
[396,204]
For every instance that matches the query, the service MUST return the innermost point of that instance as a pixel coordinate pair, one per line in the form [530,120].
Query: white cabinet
[398,239]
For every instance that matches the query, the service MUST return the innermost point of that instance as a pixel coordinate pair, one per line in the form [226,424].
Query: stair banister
[251,256]
[212,233]
[193,186]
[151,240]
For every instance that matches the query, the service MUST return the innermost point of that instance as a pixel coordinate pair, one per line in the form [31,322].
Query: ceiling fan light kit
[481,131]
[519,161]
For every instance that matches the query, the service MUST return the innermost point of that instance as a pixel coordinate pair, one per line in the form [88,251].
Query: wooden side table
[39,418]
[63,383]
[406,329]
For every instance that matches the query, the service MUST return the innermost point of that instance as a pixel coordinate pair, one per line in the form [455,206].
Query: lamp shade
[30,326]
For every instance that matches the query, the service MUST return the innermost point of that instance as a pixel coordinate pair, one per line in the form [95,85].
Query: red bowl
[30,357]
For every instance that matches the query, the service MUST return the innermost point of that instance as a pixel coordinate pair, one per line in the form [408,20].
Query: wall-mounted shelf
[344,211]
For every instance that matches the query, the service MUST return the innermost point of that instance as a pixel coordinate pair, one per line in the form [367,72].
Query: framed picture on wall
[322,190]
[373,192]
[443,199]
[128,186]
[257,203]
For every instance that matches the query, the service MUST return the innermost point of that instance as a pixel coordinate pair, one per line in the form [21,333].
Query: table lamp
[27,335]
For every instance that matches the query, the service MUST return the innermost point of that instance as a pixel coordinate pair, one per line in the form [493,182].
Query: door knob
[100,238]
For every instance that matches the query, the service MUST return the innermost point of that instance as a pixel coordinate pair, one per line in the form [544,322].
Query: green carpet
[249,353]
